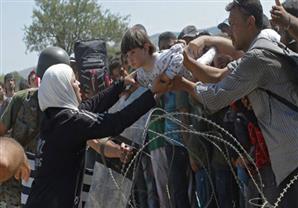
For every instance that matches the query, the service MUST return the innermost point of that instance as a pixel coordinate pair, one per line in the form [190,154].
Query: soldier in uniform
[22,117]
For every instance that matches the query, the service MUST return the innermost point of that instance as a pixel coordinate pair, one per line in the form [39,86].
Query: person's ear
[251,21]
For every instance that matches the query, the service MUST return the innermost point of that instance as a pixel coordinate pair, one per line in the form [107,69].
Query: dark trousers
[269,187]
[178,179]
[290,199]
[144,192]
[204,188]
[226,188]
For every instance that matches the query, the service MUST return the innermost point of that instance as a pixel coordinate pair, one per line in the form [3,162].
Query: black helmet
[51,56]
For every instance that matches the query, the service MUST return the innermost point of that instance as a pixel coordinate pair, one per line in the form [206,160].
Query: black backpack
[281,50]
[91,57]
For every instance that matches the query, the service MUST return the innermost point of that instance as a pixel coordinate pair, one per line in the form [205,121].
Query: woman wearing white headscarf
[66,126]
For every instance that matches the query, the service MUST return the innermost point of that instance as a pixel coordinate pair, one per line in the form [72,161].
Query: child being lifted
[149,64]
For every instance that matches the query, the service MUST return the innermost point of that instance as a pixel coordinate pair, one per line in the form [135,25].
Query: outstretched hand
[177,84]
[161,87]
[126,153]
[195,47]
[161,84]
[130,79]
[279,15]
[123,72]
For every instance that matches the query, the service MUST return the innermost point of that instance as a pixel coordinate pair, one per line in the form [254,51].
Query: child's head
[137,46]
[115,69]
[139,27]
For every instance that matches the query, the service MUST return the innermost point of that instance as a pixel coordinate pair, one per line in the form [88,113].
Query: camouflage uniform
[19,110]
[10,194]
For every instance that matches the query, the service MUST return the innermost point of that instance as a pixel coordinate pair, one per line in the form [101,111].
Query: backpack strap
[278,49]
[281,99]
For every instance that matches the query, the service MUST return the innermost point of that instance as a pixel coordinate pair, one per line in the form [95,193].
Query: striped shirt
[279,124]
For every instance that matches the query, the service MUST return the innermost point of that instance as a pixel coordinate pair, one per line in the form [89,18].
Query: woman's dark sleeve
[112,124]
[104,99]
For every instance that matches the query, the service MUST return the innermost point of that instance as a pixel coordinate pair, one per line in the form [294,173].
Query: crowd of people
[222,132]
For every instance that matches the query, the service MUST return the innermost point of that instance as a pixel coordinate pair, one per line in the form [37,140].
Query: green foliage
[2,78]
[62,22]
[113,52]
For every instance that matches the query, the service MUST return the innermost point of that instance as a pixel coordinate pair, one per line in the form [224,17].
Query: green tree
[62,22]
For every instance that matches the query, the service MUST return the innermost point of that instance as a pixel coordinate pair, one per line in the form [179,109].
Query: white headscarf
[56,90]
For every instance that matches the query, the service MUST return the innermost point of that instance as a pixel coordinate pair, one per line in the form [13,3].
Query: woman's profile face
[76,87]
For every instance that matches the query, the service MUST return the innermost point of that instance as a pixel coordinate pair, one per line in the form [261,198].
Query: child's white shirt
[170,61]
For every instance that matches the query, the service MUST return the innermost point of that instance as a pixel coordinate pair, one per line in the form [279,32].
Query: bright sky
[156,15]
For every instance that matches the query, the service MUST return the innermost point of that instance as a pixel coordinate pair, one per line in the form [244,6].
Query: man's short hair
[224,24]
[204,32]
[249,7]
[291,6]
[166,36]
[188,31]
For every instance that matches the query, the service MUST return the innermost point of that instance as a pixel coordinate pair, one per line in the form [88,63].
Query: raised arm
[222,45]
[112,124]
[201,72]
[284,19]
[242,80]
[104,99]
[293,27]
